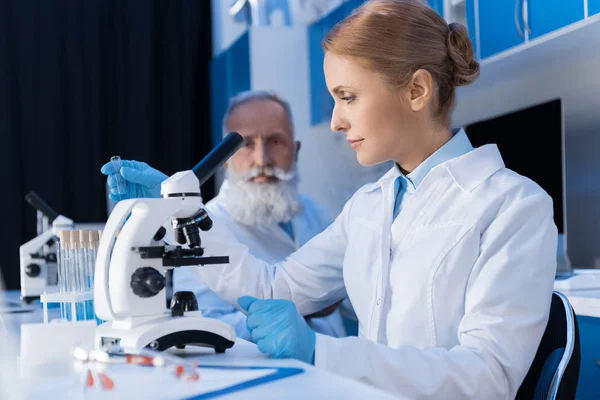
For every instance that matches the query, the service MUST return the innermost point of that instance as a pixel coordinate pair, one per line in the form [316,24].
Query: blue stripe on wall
[321,103]
[229,75]
[317,80]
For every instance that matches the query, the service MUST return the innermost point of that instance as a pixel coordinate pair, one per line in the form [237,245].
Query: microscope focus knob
[160,234]
[33,270]
[147,282]
[187,300]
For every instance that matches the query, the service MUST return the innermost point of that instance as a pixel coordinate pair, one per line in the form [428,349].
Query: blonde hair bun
[462,57]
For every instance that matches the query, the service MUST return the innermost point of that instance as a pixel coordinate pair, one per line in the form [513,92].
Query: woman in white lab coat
[448,260]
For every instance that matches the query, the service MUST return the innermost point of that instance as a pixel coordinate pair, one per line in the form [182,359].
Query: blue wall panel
[498,30]
[229,75]
[593,7]
[546,16]
[588,387]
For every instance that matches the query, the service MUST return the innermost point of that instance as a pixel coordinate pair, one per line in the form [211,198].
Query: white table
[583,292]
[312,384]
[584,302]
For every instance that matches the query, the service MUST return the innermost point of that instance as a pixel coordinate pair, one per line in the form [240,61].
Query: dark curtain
[83,80]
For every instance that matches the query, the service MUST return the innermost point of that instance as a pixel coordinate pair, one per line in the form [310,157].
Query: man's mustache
[270,172]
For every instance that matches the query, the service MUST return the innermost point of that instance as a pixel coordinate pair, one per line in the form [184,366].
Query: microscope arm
[117,218]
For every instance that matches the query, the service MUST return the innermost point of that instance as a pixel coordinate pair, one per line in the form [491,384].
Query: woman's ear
[420,90]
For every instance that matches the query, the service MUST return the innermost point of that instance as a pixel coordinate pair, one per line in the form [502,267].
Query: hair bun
[462,57]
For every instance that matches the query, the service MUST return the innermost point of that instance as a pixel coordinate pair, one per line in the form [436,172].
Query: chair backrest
[554,373]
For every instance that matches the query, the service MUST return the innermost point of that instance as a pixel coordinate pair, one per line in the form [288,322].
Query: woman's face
[380,124]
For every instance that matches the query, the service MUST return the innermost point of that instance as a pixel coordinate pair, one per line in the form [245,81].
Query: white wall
[225,30]
[577,82]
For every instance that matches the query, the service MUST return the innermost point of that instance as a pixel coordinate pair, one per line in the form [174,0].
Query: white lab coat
[452,296]
[266,242]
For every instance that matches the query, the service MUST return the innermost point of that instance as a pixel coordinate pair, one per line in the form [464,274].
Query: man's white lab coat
[266,242]
[452,296]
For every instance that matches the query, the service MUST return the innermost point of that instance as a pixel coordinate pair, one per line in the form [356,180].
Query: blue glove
[141,180]
[278,329]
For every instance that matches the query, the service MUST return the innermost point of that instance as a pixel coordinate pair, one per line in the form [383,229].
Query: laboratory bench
[312,383]
[316,383]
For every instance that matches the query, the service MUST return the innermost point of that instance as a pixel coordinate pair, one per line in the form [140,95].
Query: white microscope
[38,256]
[129,289]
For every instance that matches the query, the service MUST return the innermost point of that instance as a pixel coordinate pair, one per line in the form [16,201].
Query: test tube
[86,273]
[63,241]
[61,248]
[82,258]
[82,268]
[66,272]
[76,280]
[92,255]
[74,246]
[116,163]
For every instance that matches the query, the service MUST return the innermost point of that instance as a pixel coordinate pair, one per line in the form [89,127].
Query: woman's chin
[366,160]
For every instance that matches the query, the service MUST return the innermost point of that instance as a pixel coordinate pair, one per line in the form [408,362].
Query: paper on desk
[148,383]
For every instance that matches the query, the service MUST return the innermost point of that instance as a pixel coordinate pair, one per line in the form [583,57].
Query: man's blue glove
[141,180]
[278,329]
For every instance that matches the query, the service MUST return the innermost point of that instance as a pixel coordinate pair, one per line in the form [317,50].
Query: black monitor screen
[531,143]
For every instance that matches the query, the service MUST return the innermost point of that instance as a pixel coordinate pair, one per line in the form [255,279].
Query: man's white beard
[268,203]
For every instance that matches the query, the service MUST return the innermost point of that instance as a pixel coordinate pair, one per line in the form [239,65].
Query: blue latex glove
[141,180]
[278,329]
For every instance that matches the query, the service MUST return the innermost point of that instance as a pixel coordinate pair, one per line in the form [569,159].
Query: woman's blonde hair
[398,37]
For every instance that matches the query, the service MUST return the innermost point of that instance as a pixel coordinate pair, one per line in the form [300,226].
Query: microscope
[38,267]
[129,289]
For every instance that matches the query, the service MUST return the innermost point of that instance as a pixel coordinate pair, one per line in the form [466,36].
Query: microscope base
[166,331]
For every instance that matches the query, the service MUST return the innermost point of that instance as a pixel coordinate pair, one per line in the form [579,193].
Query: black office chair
[554,372]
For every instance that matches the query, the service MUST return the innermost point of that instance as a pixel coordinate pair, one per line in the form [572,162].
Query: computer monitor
[532,143]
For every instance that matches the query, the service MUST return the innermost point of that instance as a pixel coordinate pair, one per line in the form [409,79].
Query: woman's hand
[278,329]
